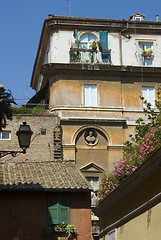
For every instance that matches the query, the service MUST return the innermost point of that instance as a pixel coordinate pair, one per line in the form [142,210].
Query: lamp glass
[24,135]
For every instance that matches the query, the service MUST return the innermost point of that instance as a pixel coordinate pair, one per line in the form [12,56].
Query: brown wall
[24,215]
[81,214]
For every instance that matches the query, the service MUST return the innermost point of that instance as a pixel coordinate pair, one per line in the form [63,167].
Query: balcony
[81,55]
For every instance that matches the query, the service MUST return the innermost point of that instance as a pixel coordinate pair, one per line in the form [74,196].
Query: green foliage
[149,52]
[70,230]
[94,45]
[6,111]
[61,226]
[26,110]
[154,118]
[75,56]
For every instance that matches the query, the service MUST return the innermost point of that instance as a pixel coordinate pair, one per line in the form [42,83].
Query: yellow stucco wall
[144,227]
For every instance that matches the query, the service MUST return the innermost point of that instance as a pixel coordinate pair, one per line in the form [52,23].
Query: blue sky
[21,23]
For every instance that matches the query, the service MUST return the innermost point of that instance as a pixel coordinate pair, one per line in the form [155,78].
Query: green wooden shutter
[104,43]
[58,208]
[64,208]
[53,209]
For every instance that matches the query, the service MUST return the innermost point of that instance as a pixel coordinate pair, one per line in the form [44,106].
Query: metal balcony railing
[90,56]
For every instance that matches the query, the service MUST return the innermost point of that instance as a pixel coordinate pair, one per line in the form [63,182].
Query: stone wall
[41,147]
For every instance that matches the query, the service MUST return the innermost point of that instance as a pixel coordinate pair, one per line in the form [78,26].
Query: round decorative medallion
[90,137]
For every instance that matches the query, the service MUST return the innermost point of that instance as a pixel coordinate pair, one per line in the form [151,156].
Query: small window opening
[43,131]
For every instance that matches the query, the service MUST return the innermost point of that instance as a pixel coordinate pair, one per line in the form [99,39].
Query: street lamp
[24,136]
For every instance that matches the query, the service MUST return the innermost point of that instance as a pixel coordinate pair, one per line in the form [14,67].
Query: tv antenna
[70,11]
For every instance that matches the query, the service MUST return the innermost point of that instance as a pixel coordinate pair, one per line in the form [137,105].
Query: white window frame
[93,195]
[5,139]
[87,44]
[92,99]
[111,232]
[146,93]
[143,61]
[138,18]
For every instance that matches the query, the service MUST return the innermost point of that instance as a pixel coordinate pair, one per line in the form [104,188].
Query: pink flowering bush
[146,140]
[131,161]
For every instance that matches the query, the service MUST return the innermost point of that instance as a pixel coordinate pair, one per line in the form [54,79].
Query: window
[149,95]
[5,135]
[146,54]
[86,41]
[43,132]
[58,208]
[90,95]
[138,18]
[94,182]
[111,235]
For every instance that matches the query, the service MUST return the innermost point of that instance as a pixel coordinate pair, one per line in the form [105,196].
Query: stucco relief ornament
[91,138]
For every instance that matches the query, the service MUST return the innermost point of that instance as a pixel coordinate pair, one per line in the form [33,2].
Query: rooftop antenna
[70,14]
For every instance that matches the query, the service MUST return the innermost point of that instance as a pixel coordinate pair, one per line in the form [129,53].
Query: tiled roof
[47,176]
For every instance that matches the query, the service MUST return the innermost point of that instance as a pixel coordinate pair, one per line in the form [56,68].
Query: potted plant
[74,56]
[71,230]
[147,53]
[60,227]
[94,45]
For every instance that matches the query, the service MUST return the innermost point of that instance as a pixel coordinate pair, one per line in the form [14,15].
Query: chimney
[157,18]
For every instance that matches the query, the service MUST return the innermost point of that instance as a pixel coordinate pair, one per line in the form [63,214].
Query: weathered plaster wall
[144,227]
[62,40]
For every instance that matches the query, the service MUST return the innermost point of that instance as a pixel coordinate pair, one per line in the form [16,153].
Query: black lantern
[24,136]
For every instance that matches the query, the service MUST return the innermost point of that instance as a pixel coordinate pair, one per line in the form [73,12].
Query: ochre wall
[144,227]
[118,98]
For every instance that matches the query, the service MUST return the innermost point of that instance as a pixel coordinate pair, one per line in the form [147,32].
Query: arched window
[86,41]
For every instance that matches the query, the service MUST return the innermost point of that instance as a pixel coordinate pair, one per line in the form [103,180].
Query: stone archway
[91,147]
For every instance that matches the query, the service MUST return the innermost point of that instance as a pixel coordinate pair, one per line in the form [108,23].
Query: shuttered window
[104,44]
[58,208]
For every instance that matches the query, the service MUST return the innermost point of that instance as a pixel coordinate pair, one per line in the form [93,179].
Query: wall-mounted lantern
[24,137]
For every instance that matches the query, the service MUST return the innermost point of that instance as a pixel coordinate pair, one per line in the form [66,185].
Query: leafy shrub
[26,110]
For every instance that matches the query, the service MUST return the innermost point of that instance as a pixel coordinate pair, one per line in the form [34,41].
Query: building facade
[92,73]
[38,188]
[132,211]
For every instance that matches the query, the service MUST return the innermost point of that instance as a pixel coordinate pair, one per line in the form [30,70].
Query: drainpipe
[120,41]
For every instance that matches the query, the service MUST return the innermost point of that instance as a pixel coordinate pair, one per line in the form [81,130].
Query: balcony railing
[90,56]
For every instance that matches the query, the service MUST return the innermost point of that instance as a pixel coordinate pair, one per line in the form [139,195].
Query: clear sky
[21,23]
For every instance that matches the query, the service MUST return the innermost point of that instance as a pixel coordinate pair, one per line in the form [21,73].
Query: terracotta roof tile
[43,175]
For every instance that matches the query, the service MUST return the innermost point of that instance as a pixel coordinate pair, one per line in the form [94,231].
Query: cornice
[100,69]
